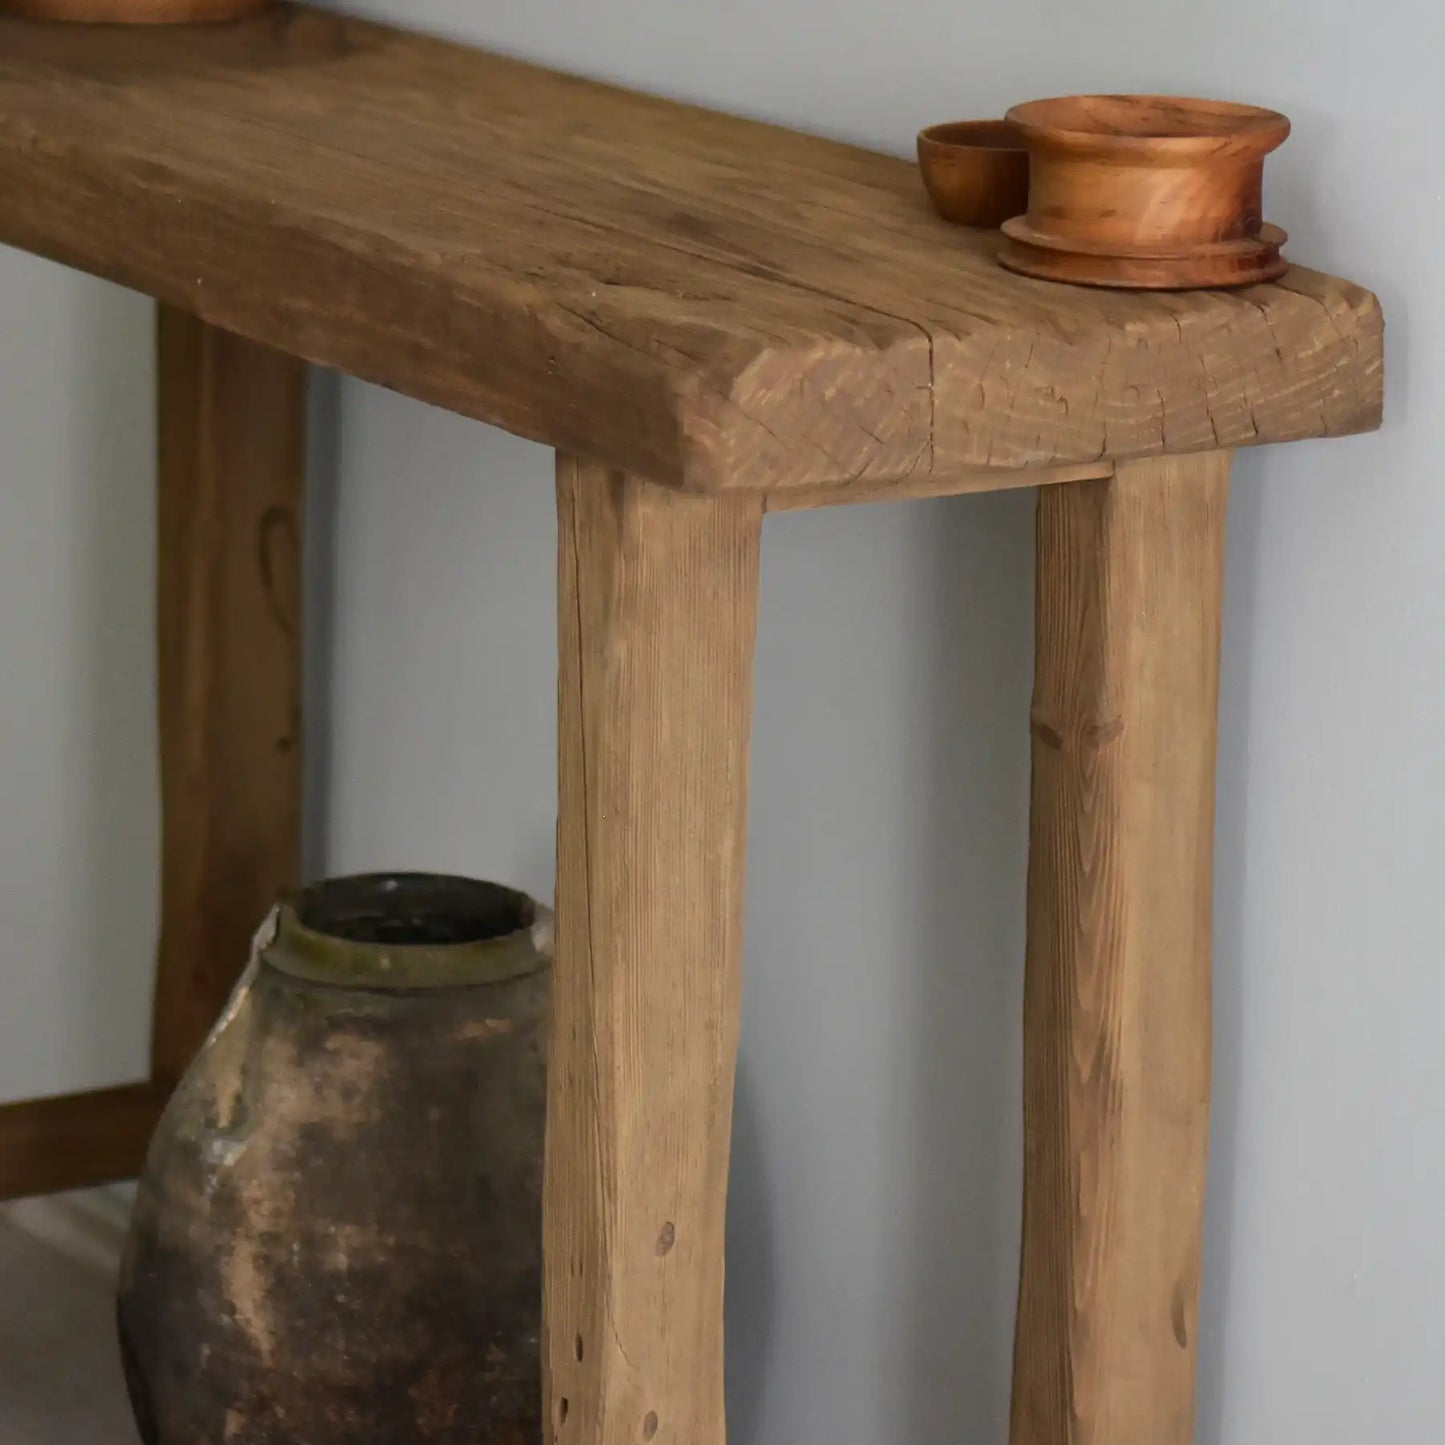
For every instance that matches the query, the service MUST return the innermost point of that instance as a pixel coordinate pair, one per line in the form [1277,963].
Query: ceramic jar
[337,1239]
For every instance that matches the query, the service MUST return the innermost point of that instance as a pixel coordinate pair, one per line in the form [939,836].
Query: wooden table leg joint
[76,1141]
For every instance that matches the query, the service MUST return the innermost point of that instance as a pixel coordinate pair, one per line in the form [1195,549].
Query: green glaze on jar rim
[409,931]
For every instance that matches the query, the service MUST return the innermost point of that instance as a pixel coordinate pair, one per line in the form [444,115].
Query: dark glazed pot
[337,1239]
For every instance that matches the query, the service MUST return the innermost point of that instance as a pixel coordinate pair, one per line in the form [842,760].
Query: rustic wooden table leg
[657,598]
[232,460]
[1117,1006]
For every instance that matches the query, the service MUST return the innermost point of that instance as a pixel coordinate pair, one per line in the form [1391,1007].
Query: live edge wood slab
[708,319]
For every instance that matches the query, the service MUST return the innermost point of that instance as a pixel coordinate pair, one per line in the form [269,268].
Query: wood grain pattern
[76,1141]
[1117,999]
[1146,190]
[976,172]
[232,458]
[707,302]
[977,479]
[657,603]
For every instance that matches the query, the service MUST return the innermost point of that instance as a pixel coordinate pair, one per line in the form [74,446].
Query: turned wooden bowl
[976,172]
[134,12]
[1151,191]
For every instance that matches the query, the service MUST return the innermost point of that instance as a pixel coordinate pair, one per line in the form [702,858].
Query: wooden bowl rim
[1224,123]
[1145,273]
[1000,136]
[1018,228]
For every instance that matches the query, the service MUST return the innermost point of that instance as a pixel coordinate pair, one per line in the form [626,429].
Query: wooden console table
[708,319]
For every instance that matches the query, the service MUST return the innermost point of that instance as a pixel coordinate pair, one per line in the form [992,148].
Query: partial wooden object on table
[976,172]
[1117,1000]
[657,607]
[135,12]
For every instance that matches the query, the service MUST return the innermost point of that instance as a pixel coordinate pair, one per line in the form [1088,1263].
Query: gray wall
[874,1211]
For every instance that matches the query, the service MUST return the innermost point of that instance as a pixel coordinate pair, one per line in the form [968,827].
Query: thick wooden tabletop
[706,301]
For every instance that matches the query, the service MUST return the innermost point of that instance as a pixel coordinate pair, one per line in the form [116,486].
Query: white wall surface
[873,1229]
[78,814]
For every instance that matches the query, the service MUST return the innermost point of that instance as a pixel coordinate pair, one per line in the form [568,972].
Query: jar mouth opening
[412,910]
[409,931]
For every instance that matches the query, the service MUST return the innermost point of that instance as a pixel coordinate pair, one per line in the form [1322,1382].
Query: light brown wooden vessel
[134,12]
[1146,191]
[976,172]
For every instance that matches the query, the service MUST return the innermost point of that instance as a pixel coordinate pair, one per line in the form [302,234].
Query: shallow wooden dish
[133,12]
[1146,191]
[976,172]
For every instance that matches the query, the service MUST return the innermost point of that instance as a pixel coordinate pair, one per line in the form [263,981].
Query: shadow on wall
[323,481]
[976,588]
[751,1267]
[115,576]
[874,1214]
[432,635]
[1240,587]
